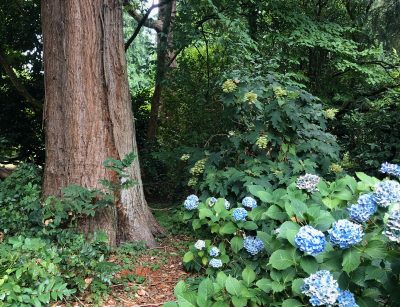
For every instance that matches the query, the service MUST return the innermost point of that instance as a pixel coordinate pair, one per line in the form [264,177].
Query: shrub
[321,243]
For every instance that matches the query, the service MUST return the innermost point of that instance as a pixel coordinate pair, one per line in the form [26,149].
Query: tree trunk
[165,54]
[88,112]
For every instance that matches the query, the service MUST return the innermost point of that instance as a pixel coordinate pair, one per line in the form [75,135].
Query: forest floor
[147,276]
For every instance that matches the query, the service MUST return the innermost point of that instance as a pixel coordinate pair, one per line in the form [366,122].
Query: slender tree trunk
[88,112]
[165,54]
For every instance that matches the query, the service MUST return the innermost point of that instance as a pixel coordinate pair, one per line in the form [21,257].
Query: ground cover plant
[315,243]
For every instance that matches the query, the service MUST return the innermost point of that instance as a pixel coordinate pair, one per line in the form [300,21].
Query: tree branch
[143,20]
[36,104]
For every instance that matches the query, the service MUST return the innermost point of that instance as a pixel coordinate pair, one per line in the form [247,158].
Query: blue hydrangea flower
[308,182]
[249,202]
[392,227]
[345,233]
[191,202]
[215,263]
[364,209]
[387,192]
[322,288]
[310,240]
[227,204]
[200,244]
[390,169]
[253,245]
[346,299]
[212,201]
[239,214]
[214,251]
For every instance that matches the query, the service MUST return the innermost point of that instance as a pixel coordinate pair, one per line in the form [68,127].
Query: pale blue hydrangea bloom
[322,288]
[214,251]
[364,209]
[200,244]
[249,202]
[212,201]
[390,169]
[387,192]
[310,240]
[215,263]
[308,182]
[239,214]
[346,299]
[345,233]
[392,227]
[253,245]
[191,202]
[227,204]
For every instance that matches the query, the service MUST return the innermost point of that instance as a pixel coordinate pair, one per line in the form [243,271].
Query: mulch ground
[160,270]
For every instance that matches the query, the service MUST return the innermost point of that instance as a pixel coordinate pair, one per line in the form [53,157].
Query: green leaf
[188,257]
[219,206]
[375,250]
[297,284]
[228,228]
[249,225]
[221,278]
[274,212]
[264,284]
[282,259]
[248,275]
[239,301]
[236,244]
[264,196]
[288,230]
[205,292]
[309,264]
[233,286]
[205,212]
[296,207]
[351,260]
[170,304]
[291,303]
[371,181]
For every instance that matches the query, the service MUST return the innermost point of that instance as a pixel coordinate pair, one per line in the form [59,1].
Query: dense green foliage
[274,275]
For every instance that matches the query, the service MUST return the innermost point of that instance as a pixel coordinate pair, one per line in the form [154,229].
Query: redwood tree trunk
[88,112]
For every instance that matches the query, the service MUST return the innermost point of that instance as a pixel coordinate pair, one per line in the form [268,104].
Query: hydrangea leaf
[248,275]
[239,301]
[282,259]
[236,244]
[288,230]
[297,284]
[228,228]
[351,260]
[188,257]
[233,286]
[291,303]
[309,264]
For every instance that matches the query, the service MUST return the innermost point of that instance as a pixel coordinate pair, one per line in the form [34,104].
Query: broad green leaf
[291,303]
[236,244]
[351,260]
[205,292]
[233,286]
[297,284]
[371,181]
[274,212]
[248,275]
[249,225]
[281,259]
[264,284]
[288,230]
[188,257]
[309,264]
[205,212]
[239,301]
[228,228]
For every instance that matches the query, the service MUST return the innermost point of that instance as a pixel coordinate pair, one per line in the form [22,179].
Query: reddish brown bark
[88,112]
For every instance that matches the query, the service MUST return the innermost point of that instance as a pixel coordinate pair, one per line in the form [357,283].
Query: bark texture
[88,112]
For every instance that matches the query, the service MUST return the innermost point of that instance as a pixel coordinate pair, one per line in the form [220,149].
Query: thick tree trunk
[165,54]
[88,113]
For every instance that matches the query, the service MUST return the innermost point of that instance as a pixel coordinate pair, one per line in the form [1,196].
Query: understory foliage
[314,243]
[43,257]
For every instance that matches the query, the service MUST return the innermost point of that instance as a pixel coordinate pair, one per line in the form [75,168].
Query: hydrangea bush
[315,243]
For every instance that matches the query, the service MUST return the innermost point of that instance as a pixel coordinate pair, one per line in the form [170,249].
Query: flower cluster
[253,245]
[310,240]
[262,142]
[214,251]
[364,209]
[211,202]
[392,229]
[345,233]
[308,182]
[200,244]
[330,113]
[336,168]
[229,86]
[227,204]
[250,97]
[387,192]
[185,157]
[215,263]
[239,214]
[322,288]
[249,202]
[191,202]
[279,92]
[346,299]
[390,169]
[198,167]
